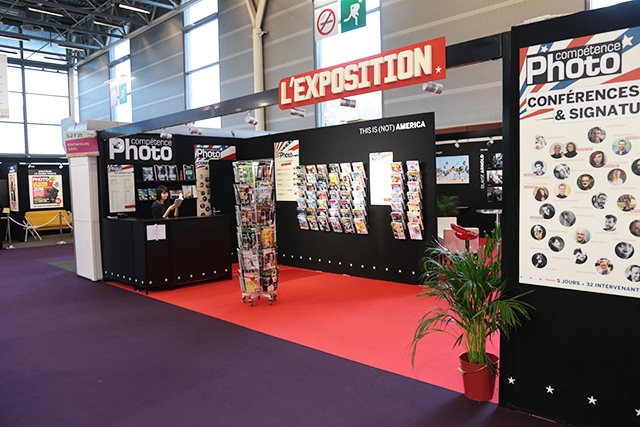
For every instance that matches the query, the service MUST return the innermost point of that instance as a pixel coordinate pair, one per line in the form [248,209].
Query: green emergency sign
[353,14]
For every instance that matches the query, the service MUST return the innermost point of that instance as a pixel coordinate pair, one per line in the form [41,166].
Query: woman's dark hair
[161,189]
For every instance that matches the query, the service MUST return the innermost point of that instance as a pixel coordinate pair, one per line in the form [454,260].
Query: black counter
[195,248]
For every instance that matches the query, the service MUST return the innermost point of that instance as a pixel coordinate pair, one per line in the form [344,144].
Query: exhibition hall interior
[348,212]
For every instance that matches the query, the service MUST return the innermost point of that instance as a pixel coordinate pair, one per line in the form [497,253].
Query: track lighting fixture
[300,112]
[195,131]
[165,135]
[490,142]
[345,102]
[432,87]
[456,145]
[250,119]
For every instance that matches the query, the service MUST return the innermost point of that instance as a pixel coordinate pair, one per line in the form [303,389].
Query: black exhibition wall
[483,190]
[376,255]
[575,362]
[57,166]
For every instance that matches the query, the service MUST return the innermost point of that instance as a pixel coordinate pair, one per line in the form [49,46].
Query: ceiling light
[432,87]
[53,58]
[135,9]
[46,12]
[70,47]
[250,119]
[15,37]
[8,51]
[104,24]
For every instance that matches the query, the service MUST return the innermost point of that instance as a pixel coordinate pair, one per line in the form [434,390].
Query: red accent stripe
[631,75]
[579,41]
[523,56]
[537,113]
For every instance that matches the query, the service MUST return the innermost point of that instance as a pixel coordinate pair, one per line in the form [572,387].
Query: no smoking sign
[326,21]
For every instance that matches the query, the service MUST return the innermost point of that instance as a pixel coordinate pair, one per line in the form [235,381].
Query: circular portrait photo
[562,171]
[599,200]
[635,167]
[547,211]
[567,218]
[579,256]
[596,135]
[624,250]
[626,202]
[556,243]
[585,182]
[582,236]
[571,150]
[556,151]
[539,142]
[562,190]
[609,222]
[597,159]
[621,146]
[538,232]
[634,227]
[632,273]
[541,193]
[539,260]
[538,168]
[617,176]
[604,266]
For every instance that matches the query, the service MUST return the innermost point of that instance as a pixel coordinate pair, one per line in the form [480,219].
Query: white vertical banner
[4,88]
[287,159]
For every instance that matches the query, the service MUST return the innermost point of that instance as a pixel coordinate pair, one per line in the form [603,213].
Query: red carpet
[367,321]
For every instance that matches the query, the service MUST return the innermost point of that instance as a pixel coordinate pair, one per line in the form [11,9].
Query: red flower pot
[479,380]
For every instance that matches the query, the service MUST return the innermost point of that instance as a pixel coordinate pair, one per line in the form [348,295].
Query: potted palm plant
[478,304]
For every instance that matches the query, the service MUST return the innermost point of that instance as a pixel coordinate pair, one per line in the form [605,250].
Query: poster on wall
[287,160]
[13,189]
[580,163]
[202,155]
[122,188]
[453,170]
[380,172]
[45,189]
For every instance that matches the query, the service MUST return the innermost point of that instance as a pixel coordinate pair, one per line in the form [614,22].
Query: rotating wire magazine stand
[255,216]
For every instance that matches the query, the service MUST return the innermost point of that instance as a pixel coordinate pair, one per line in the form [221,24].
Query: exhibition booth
[360,199]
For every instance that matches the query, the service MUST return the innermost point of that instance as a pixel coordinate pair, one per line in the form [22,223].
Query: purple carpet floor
[78,353]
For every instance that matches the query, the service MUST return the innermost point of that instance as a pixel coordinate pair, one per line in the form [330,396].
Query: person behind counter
[161,207]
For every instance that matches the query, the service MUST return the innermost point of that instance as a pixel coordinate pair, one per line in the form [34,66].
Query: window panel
[202,45]
[204,87]
[12,141]
[46,109]
[46,83]
[45,139]
[200,10]
[120,50]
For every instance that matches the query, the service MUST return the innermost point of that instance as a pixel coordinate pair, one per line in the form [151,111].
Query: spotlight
[432,87]
[456,145]
[490,142]
[300,112]
[195,131]
[165,135]
[344,102]
[251,120]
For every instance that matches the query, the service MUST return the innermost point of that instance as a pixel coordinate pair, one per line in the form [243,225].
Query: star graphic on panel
[511,380]
[438,69]
[544,48]
[592,400]
[550,389]
[626,41]
[637,412]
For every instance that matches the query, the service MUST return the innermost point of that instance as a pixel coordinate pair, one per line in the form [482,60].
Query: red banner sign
[409,65]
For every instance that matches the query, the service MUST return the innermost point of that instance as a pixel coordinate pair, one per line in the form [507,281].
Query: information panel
[45,189]
[287,159]
[122,188]
[580,163]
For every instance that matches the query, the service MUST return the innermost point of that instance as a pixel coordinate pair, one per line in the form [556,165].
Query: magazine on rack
[398,230]
[172,172]
[143,194]
[302,221]
[161,172]
[323,223]
[347,225]
[361,225]
[188,172]
[147,173]
[268,258]
[249,258]
[335,224]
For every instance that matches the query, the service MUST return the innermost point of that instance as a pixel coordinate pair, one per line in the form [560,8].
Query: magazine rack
[255,215]
[406,201]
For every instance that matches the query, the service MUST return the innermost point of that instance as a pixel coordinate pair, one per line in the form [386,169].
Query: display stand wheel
[243,299]
[251,301]
[270,301]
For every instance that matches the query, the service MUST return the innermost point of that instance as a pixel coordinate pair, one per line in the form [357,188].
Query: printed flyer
[380,172]
[13,189]
[45,189]
[580,163]
[122,188]
[287,159]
